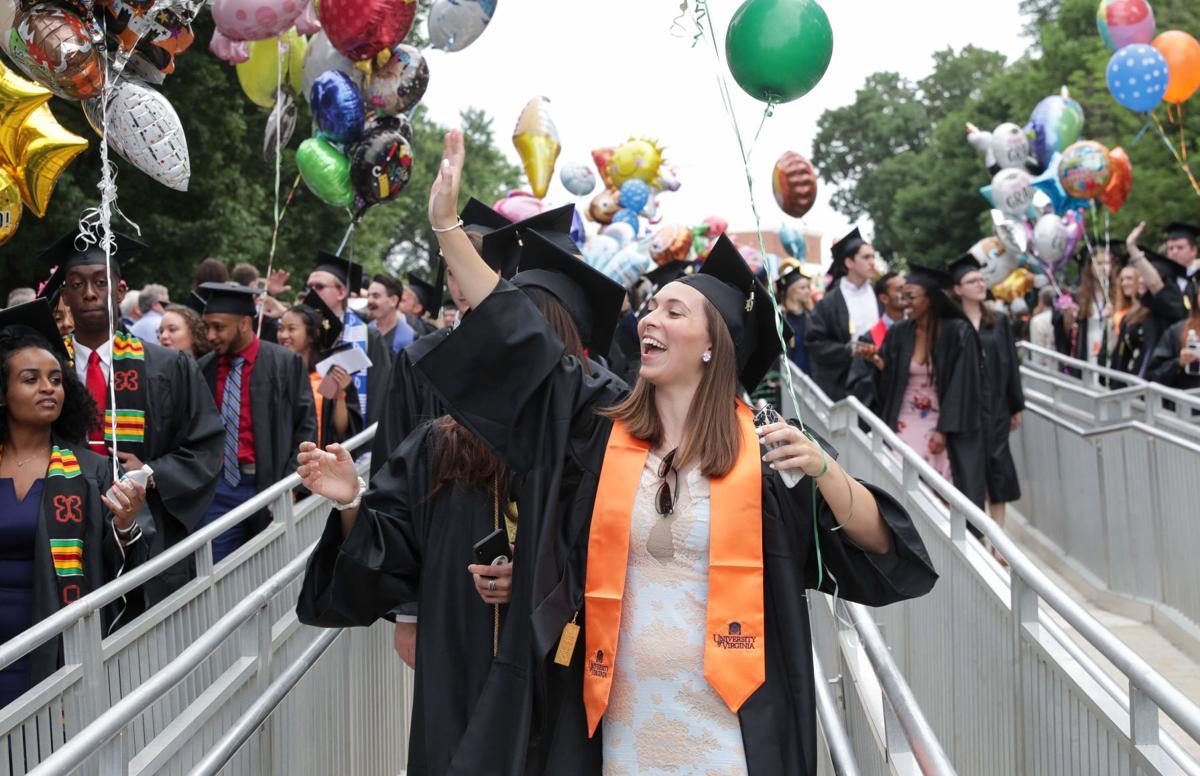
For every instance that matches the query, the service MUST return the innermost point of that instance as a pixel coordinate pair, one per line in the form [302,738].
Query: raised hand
[443,196]
[329,472]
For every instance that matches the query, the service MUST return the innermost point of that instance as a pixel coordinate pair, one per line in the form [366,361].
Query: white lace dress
[663,717]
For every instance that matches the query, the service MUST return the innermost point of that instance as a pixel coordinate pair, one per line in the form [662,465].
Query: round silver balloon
[322,56]
[456,24]
[280,126]
[144,130]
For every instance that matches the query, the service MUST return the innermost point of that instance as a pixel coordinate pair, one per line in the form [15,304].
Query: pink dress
[919,416]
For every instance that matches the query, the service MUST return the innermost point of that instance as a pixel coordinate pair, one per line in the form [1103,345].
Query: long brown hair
[461,456]
[711,434]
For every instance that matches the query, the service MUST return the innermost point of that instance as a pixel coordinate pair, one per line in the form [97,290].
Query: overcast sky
[613,70]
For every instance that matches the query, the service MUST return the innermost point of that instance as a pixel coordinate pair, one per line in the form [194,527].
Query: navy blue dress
[18,527]
[797,351]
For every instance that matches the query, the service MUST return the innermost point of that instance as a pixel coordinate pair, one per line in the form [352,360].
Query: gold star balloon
[46,150]
[10,205]
[18,99]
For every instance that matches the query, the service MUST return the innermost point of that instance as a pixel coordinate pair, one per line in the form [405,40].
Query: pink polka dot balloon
[255,19]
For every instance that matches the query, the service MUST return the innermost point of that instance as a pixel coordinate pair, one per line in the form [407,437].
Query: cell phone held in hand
[492,550]
[766,415]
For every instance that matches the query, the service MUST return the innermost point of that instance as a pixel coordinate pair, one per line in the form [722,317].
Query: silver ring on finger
[491,585]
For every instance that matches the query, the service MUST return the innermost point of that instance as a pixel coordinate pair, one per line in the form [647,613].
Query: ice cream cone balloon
[536,140]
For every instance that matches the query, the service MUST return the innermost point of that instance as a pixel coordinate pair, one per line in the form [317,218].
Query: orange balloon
[1117,190]
[1182,53]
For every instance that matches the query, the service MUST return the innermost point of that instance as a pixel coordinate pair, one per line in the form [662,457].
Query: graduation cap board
[791,275]
[196,302]
[230,299]
[1177,230]
[844,249]
[328,324]
[962,266]
[590,297]
[425,292]
[728,283]
[348,272]
[502,247]
[76,249]
[33,318]
[936,283]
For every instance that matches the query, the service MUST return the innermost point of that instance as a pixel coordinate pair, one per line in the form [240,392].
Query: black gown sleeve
[958,375]
[304,414]
[408,403]
[377,567]
[1164,362]
[185,475]
[1168,303]
[380,354]
[822,339]
[502,374]
[1012,365]
[862,380]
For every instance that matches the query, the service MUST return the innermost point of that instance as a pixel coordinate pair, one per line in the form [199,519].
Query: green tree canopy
[228,211]
[898,154]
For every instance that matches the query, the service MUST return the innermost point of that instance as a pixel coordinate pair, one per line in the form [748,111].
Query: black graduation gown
[1164,362]
[281,412]
[1003,398]
[625,355]
[958,374]
[1170,304]
[99,567]
[406,547]
[184,442]
[379,350]
[797,349]
[541,420]
[828,344]
[1135,344]
[355,425]
[408,402]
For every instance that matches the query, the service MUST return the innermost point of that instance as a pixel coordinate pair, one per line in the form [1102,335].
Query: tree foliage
[898,154]
[228,211]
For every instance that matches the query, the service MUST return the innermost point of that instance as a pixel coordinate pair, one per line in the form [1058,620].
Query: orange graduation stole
[734,656]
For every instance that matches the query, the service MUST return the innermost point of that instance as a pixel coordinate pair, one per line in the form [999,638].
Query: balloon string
[346,237]
[108,193]
[723,87]
[1183,165]
[700,14]
[281,48]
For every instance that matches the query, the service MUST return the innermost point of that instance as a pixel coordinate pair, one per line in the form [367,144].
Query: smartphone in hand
[493,549]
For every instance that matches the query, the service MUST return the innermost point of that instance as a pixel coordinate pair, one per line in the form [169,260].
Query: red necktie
[97,386]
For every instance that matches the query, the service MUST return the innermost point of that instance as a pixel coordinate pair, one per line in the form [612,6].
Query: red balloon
[716,226]
[1121,182]
[795,184]
[602,157]
[360,29]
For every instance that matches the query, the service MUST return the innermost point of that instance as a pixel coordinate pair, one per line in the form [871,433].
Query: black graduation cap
[936,283]
[230,298]
[478,217]
[790,275]
[844,249]
[196,303]
[962,266]
[347,271]
[590,297]
[33,318]
[74,250]
[1177,230]
[728,283]
[502,248]
[665,273]
[425,292]
[329,326]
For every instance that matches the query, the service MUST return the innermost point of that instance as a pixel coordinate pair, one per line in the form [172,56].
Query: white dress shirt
[862,306]
[83,353]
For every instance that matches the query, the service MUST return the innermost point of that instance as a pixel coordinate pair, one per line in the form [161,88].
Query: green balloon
[326,172]
[778,50]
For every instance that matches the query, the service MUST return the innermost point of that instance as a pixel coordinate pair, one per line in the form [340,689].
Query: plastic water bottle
[1193,343]
[765,416]
[140,476]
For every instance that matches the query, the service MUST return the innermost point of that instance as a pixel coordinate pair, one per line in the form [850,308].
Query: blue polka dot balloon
[1137,77]
[627,216]
[635,193]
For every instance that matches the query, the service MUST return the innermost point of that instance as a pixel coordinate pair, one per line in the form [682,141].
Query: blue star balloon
[1049,184]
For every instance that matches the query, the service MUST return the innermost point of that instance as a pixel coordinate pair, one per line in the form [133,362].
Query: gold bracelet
[850,490]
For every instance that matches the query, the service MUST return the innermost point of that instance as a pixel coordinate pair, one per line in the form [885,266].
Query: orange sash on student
[734,653]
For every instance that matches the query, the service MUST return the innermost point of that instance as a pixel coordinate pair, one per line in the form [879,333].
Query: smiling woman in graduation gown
[957,374]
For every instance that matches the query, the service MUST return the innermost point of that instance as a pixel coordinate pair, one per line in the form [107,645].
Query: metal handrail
[1132,383]
[30,639]
[250,720]
[841,752]
[917,730]
[1141,675]
[1125,425]
[84,744]
[1083,366]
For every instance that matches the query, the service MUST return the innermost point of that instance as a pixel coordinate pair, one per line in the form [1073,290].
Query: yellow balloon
[536,141]
[259,75]
[46,150]
[1018,283]
[10,205]
[638,158]
[18,99]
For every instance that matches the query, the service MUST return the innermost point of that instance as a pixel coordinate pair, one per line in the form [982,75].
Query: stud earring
[706,357]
